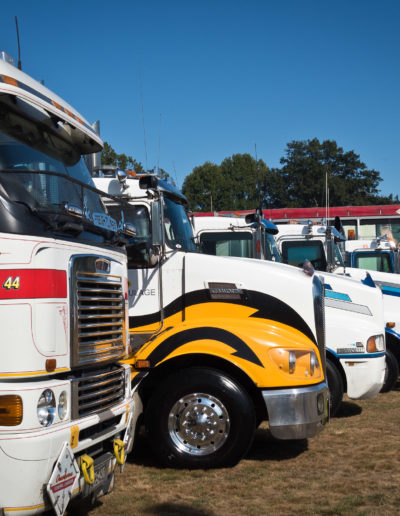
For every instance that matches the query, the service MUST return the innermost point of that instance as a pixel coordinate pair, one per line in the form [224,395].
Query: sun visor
[32,114]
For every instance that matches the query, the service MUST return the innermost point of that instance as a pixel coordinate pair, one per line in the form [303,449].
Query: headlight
[296,362]
[376,344]
[46,408]
[62,405]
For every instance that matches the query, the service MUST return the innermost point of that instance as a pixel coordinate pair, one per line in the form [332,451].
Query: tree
[308,164]
[110,157]
[236,184]
[204,187]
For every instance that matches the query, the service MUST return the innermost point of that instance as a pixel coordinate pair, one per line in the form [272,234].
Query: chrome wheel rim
[198,424]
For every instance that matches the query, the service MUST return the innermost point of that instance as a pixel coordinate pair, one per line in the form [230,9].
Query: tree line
[241,182]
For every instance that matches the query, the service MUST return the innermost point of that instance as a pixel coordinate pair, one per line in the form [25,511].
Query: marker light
[10,410]
[9,80]
[390,324]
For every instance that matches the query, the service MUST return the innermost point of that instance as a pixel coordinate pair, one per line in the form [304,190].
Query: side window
[138,247]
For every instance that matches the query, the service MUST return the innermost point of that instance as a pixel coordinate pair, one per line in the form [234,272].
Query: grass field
[352,467]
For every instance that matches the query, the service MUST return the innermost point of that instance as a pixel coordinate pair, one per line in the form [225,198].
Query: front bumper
[27,459]
[364,376]
[297,413]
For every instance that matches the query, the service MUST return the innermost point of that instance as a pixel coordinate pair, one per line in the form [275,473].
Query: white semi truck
[218,345]
[66,407]
[354,312]
[320,243]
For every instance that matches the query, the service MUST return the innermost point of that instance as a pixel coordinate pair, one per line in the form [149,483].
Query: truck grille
[319,314]
[98,313]
[96,392]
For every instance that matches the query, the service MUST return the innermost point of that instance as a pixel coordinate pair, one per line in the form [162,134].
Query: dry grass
[351,468]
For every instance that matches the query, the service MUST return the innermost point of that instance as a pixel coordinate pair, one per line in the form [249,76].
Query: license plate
[103,476]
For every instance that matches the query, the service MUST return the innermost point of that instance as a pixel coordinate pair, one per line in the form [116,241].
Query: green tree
[204,187]
[110,157]
[237,183]
[306,166]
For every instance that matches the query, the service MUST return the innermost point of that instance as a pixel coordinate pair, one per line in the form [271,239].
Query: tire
[335,385]
[391,372]
[200,418]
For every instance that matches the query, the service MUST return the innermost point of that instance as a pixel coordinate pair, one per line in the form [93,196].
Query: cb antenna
[19,48]
[141,99]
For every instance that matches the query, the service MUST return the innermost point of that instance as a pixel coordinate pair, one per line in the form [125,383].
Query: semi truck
[66,407]
[217,345]
[355,349]
[321,244]
[380,254]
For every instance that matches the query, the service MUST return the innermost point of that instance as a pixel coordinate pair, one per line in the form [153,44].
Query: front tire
[335,385]
[200,418]
[391,372]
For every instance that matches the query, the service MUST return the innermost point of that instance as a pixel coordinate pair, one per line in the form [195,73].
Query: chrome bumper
[297,413]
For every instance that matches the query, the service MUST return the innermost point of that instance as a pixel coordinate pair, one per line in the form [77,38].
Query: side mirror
[122,176]
[250,218]
[147,182]
[156,225]
[129,229]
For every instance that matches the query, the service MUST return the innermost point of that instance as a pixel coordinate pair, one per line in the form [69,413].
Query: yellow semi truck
[217,344]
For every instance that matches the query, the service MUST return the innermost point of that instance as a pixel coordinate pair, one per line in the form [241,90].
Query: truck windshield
[374,261]
[178,230]
[228,243]
[46,184]
[295,252]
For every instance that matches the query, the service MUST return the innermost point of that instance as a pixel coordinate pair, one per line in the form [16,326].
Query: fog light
[320,404]
[46,408]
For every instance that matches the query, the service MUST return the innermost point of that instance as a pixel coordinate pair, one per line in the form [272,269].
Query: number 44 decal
[12,283]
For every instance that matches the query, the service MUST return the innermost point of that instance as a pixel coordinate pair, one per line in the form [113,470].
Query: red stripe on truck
[32,283]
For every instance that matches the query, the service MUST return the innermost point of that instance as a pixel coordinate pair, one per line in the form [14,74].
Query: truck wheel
[200,418]
[391,372]
[335,385]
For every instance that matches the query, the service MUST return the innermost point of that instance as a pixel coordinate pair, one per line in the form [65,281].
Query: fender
[244,342]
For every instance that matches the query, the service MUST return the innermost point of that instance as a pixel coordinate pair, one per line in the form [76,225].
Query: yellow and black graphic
[12,283]
[262,306]
[173,342]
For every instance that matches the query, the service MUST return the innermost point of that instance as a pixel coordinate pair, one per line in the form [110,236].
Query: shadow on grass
[80,507]
[265,447]
[348,409]
[176,509]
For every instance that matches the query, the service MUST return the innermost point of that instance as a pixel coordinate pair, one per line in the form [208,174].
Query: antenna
[176,177]
[159,139]
[19,48]
[141,99]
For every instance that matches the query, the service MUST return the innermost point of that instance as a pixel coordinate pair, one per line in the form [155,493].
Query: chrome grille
[319,314]
[98,313]
[97,392]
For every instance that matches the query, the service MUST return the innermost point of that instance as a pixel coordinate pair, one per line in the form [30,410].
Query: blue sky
[219,77]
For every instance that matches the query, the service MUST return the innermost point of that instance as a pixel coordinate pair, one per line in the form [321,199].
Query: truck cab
[66,406]
[218,344]
[379,255]
[322,243]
